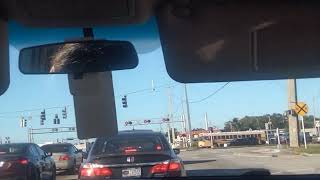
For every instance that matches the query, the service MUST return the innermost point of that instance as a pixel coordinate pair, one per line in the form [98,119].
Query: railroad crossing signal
[301,108]
[124,102]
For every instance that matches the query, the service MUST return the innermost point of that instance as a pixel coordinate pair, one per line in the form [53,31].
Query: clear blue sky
[236,100]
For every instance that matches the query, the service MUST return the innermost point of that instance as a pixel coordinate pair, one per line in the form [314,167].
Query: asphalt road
[236,161]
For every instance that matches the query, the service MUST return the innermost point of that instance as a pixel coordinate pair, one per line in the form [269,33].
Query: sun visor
[4,57]
[210,41]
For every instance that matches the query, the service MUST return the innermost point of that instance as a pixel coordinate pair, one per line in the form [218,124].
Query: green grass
[311,149]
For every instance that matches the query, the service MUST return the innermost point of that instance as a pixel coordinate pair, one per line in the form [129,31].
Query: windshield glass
[221,129]
[55,148]
[125,144]
[7,149]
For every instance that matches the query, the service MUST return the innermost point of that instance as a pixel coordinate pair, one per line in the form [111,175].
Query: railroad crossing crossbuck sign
[301,108]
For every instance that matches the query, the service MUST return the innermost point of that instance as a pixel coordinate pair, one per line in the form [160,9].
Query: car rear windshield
[56,148]
[129,144]
[12,149]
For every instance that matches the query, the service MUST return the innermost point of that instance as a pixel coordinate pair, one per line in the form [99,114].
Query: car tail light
[64,158]
[174,166]
[23,161]
[166,166]
[130,150]
[158,147]
[92,170]
[160,168]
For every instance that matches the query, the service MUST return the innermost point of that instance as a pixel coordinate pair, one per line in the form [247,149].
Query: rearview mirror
[78,57]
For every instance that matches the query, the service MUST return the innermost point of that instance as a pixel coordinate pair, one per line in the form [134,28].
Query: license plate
[131,172]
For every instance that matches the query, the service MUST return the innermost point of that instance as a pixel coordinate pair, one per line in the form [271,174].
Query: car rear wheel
[33,173]
[53,177]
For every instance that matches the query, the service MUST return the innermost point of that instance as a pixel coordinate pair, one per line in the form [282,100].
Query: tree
[256,122]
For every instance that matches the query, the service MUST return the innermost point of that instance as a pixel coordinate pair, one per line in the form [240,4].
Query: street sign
[317,124]
[301,108]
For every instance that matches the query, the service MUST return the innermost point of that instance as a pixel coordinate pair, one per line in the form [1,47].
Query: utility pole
[188,115]
[314,114]
[171,115]
[293,119]
[206,121]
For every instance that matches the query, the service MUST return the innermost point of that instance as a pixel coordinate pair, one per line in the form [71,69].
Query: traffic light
[128,123]
[25,123]
[147,121]
[22,122]
[56,119]
[165,119]
[124,102]
[64,113]
[43,115]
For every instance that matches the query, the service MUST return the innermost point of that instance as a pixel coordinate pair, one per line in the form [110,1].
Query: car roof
[139,132]
[59,144]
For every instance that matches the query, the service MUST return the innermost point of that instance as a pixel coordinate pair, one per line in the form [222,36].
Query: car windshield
[127,144]
[8,149]
[221,129]
[55,148]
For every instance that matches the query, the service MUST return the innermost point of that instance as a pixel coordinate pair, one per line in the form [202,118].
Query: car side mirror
[176,151]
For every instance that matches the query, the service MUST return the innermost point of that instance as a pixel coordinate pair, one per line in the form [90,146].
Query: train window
[234,136]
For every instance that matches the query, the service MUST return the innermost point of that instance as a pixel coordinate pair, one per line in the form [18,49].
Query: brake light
[164,167]
[174,166]
[130,150]
[64,158]
[160,168]
[92,170]
[158,147]
[23,161]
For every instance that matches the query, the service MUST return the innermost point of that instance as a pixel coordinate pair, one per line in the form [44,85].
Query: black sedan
[132,154]
[25,161]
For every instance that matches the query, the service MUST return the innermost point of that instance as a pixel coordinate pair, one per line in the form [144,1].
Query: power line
[30,110]
[149,90]
[215,92]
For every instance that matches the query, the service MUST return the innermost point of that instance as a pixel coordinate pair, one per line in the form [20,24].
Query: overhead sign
[301,108]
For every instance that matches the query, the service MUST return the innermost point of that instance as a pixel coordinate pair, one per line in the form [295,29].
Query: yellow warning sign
[301,108]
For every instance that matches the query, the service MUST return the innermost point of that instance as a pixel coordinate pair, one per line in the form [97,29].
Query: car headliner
[144,36]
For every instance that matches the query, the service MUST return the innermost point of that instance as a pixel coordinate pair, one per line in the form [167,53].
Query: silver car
[65,155]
